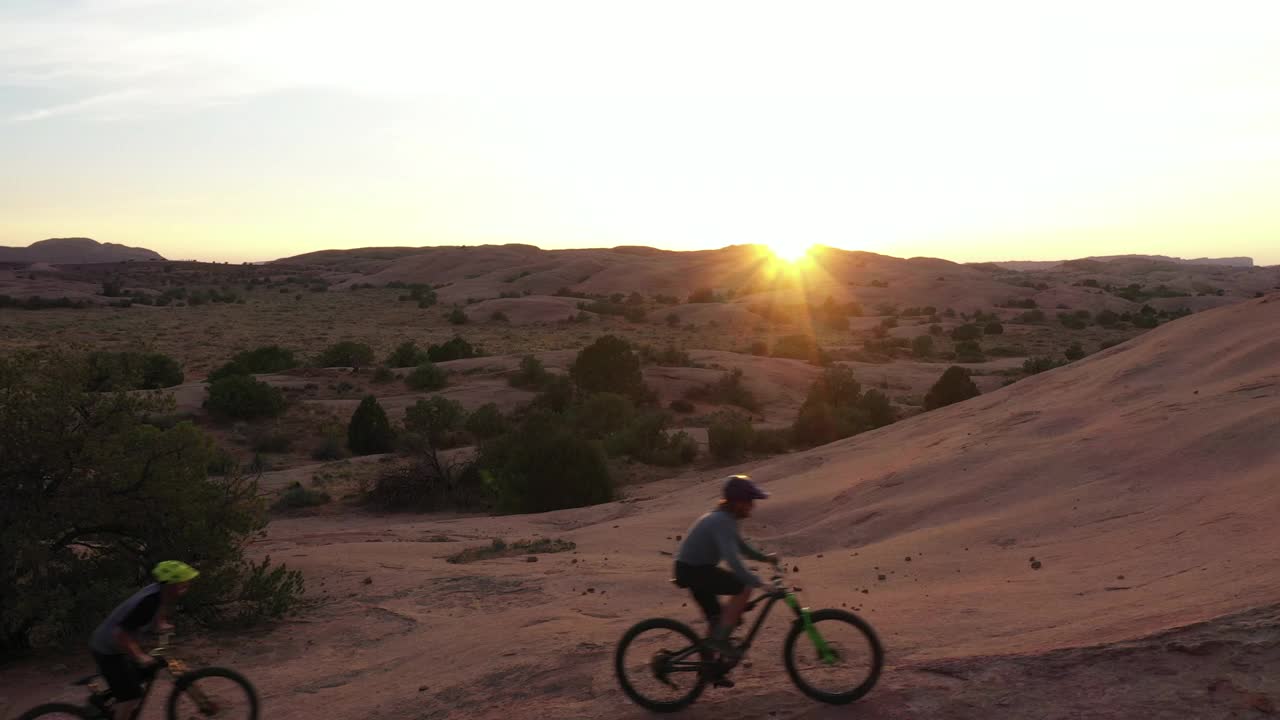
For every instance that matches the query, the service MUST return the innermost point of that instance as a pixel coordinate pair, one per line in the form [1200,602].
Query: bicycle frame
[176,668]
[825,652]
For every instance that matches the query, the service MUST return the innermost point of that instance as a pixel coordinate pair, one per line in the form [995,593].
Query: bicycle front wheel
[661,665]
[849,671]
[213,693]
[56,711]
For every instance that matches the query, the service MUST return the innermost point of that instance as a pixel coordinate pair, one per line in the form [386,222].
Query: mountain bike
[831,655]
[210,692]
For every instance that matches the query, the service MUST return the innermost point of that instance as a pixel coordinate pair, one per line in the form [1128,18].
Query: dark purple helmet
[740,487]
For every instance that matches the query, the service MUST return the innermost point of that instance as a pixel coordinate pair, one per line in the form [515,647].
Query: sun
[790,251]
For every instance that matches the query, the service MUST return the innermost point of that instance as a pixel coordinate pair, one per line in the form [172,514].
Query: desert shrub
[608,365]
[1036,365]
[758,347]
[646,439]
[954,386]
[670,356]
[456,316]
[545,465]
[729,436]
[672,320]
[1071,321]
[704,295]
[602,414]
[729,389]
[531,375]
[966,332]
[1107,318]
[266,359]
[836,408]
[271,440]
[241,397]
[95,495]
[1109,343]
[132,371]
[346,354]
[993,328]
[383,375]
[498,316]
[486,422]
[425,377]
[455,348]
[296,497]
[1145,321]
[969,351]
[681,405]
[429,484]
[680,449]
[435,420]
[922,346]
[798,347]
[407,354]
[369,431]
[332,445]
[557,395]
[770,441]
[1031,316]
[1074,352]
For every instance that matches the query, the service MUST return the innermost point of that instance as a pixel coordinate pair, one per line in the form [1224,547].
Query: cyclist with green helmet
[114,645]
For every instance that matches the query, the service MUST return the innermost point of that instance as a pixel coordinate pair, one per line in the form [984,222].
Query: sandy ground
[1142,478]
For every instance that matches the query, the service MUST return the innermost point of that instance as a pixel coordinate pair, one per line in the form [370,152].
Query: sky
[246,130]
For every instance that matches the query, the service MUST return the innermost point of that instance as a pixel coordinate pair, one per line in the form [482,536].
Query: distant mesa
[75,251]
[1034,265]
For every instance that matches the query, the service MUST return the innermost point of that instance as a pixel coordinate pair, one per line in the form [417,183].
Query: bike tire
[185,681]
[619,667]
[836,698]
[56,709]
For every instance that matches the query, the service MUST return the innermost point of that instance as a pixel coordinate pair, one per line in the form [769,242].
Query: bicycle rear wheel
[56,711]
[660,665]
[213,693]
[850,674]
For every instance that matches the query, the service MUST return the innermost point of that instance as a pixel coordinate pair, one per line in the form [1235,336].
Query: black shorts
[706,582]
[122,676]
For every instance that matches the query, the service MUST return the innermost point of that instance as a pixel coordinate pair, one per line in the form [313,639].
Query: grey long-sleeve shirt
[714,537]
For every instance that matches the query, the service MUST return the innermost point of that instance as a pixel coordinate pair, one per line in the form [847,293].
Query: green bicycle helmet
[174,571]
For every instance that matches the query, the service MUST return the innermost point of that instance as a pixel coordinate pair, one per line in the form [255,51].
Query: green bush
[332,445]
[498,316]
[798,347]
[1074,352]
[435,420]
[1036,365]
[922,346]
[954,386]
[969,351]
[531,375]
[646,439]
[132,371]
[407,354]
[296,497]
[608,365]
[456,348]
[545,465]
[770,441]
[729,436]
[94,495]
[457,316]
[266,359]
[729,389]
[346,354]
[486,422]
[966,332]
[241,397]
[993,328]
[1031,316]
[383,375]
[557,395]
[837,408]
[602,414]
[426,377]
[271,441]
[1107,318]
[681,405]
[369,431]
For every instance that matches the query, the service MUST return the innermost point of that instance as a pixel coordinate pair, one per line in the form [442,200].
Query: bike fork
[825,653]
